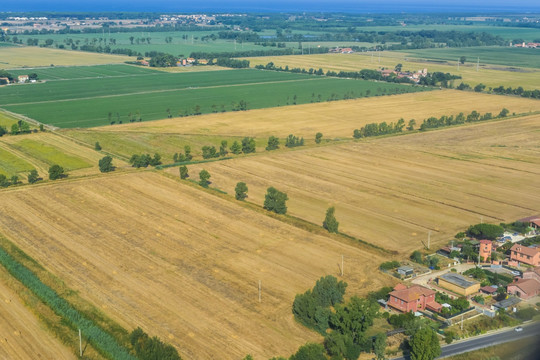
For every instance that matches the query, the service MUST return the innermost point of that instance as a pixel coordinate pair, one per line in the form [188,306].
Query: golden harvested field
[181,263]
[333,119]
[22,336]
[32,56]
[393,191]
[490,75]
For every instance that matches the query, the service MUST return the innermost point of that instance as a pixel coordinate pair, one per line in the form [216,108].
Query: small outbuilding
[458,284]
[405,270]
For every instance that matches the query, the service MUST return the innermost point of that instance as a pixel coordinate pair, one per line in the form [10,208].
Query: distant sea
[348,6]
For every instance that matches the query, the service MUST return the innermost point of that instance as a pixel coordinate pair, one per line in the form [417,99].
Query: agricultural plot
[11,164]
[95,102]
[509,56]
[7,121]
[393,191]
[40,151]
[22,335]
[86,72]
[333,119]
[185,264]
[33,56]
[488,74]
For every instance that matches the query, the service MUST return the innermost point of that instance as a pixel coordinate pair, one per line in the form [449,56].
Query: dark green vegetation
[56,172]
[149,348]
[99,339]
[330,222]
[425,345]
[104,101]
[105,164]
[274,200]
[487,54]
[485,231]
[240,191]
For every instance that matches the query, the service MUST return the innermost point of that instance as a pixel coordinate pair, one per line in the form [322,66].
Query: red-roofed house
[528,286]
[525,254]
[413,299]
[533,221]
[485,249]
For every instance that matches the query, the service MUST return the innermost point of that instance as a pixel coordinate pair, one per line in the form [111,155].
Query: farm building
[458,284]
[405,270]
[488,290]
[484,250]
[413,299]
[527,286]
[526,255]
[4,80]
[532,221]
[22,78]
[506,304]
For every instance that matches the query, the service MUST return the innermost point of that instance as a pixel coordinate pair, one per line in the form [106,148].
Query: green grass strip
[100,340]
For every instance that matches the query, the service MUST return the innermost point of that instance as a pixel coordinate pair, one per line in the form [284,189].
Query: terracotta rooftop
[485,241]
[488,289]
[529,286]
[524,250]
[413,293]
[529,219]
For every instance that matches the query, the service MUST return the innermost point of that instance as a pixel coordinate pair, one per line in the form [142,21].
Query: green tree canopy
[485,231]
[248,145]
[318,137]
[379,346]
[309,351]
[240,191]
[204,176]
[425,345]
[97,146]
[33,176]
[273,143]
[184,172]
[274,200]
[56,172]
[330,223]
[236,148]
[105,164]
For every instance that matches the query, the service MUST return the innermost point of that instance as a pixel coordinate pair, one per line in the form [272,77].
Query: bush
[274,200]
[485,231]
[240,191]
[184,172]
[105,164]
[204,176]
[33,176]
[56,172]
[147,348]
[526,313]
[389,265]
[330,223]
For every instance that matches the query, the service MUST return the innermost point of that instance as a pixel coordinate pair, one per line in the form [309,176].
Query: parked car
[517,273]
[519,328]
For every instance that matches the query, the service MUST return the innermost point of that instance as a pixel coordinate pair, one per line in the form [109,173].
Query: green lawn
[85,72]
[11,164]
[6,121]
[497,55]
[88,102]
[50,155]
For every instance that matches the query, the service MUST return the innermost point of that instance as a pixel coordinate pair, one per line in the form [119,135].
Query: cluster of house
[530,45]
[183,62]
[414,76]
[339,50]
[21,79]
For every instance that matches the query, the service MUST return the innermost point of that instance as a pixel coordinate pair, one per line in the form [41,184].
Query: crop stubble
[181,263]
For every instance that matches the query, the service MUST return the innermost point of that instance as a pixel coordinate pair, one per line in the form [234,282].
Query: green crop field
[50,155]
[506,32]
[88,102]
[85,72]
[11,164]
[509,56]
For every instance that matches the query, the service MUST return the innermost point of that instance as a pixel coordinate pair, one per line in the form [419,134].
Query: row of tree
[377,129]
[501,90]
[20,127]
[474,116]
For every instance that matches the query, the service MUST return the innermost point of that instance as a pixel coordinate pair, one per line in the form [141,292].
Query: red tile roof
[524,250]
[412,294]
[529,286]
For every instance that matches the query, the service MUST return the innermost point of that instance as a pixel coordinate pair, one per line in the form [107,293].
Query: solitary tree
[398,67]
[33,176]
[204,176]
[379,346]
[412,124]
[274,200]
[330,223]
[462,59]
[97,146]
[318,137]
[223,148]
[248,145]
[105,164]
[273,143]
[236,148]
[56,172]
[240,191]
[425,345]
[184,172]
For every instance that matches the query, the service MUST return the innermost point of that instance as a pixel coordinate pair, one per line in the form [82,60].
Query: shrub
[274,200]
[56,172]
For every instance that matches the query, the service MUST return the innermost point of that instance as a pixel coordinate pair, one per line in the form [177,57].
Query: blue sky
[362,6]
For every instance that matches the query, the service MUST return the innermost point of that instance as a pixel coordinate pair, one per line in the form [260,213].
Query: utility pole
[259,290]
[80,343]
[461,322]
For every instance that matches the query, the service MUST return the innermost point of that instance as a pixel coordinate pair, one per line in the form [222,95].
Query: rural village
[283,185]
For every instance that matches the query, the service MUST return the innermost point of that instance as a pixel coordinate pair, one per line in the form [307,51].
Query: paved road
[483,341]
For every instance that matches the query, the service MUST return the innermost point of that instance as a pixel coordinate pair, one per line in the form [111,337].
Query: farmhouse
[532,221]
[22,78]
[413,299]
[458,284]
[527,286]
[526,255]
[4,80]
[484,250]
